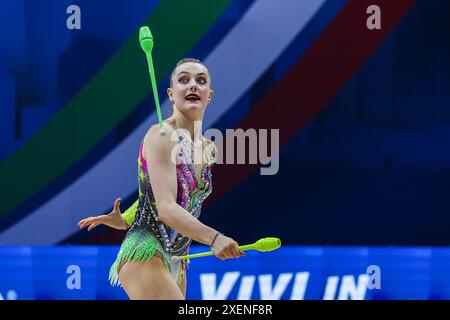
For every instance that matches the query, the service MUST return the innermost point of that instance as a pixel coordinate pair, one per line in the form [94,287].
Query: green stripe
[121,84]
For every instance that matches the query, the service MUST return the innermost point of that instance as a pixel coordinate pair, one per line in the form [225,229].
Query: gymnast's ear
[211,94]
[170,94]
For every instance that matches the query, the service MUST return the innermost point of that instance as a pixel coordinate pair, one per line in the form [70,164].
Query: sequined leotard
[148,236]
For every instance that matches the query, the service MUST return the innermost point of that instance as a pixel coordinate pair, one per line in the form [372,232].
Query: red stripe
[315,79]
[311,83]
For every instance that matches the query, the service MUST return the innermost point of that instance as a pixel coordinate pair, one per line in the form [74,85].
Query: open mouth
[192,97]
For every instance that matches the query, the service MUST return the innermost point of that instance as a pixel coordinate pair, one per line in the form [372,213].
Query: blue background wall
[370,167]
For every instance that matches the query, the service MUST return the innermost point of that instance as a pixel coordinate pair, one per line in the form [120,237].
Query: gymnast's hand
[226,248]
[113,219]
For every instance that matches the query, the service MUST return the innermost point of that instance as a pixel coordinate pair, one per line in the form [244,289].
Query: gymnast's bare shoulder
[161,144]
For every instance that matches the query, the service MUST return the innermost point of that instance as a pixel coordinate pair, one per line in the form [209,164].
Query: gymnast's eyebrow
[198,74]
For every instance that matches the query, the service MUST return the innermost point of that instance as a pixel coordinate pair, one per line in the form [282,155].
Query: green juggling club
[146,41]
[263,245]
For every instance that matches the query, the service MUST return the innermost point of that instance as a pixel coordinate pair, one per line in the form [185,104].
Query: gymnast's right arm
[114,219]
[158,151]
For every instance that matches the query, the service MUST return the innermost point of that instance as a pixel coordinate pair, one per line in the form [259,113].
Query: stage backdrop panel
[292,272]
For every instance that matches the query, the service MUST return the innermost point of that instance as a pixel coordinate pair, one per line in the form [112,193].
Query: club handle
[209,253]
[151,70]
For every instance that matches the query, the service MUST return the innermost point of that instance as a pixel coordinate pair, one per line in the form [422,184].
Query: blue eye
[202,80]
[183,80]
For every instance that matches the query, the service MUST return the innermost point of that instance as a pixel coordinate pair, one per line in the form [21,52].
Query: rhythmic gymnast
[172,187]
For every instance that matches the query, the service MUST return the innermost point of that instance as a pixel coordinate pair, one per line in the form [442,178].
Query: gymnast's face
[191,91]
